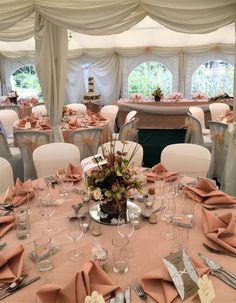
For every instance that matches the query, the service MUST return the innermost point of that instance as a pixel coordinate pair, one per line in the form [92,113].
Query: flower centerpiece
[112,179]
[157,93]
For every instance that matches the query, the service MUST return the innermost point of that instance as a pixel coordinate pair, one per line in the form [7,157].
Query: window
[213,77]
[24,80]
[146,76]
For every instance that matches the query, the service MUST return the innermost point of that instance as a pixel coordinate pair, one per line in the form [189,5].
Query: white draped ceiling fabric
[50,19]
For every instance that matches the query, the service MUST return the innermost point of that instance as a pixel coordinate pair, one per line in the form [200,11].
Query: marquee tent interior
[115,35]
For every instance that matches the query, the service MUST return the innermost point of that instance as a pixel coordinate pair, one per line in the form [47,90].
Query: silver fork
[140,292]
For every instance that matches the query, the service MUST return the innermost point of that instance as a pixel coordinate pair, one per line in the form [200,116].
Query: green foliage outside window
[214,78]
[25,81]
[147,76]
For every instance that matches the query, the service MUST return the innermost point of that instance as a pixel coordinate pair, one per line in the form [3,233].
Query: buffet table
[148,246]
[162,115]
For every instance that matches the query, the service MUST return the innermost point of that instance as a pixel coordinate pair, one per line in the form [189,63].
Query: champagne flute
[42,189]
[125,226]
[167,215]
[74,233]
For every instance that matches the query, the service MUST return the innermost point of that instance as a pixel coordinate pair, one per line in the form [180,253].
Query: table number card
[206,290]
[183,273]
[91,162]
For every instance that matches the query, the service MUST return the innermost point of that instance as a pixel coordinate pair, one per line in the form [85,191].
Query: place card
[183,273]
[206,290]
[91,162]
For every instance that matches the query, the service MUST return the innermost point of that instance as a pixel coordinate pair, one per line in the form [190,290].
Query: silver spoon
[14,285]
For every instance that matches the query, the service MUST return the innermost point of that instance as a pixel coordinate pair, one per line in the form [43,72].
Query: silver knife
[7,293]
[128,294]
[119,298]
[216,268]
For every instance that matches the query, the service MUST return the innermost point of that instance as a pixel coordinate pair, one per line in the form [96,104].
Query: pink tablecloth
[146,242]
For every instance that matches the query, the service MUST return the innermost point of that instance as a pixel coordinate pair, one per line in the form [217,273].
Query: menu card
[183,273]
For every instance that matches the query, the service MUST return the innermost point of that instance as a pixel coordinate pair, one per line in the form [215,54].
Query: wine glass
[42,189]
[125,226]
[167,215]
[47,209]
[74,233]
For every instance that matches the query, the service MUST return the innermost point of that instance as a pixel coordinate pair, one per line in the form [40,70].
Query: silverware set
[220,272]
[51,181]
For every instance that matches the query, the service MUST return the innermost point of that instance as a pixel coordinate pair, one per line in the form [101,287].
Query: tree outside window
[25,82]
[213,77]
[147,76]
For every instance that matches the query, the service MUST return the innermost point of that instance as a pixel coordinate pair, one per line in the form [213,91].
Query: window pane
[213,77]
[24,80]
[147,76]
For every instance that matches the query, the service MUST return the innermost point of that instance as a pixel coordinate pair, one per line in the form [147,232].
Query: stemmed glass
[125,228]
[47,209]
[74,233]
[167,215]
[42,189]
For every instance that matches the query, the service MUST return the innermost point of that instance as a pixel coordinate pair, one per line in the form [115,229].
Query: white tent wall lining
[111,67]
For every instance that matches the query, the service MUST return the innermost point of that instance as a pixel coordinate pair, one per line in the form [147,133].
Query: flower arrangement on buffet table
[157,94]
[199,95]
[112,179]
[221,97]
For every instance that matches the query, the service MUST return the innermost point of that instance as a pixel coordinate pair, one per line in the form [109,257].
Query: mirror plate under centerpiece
[98,216]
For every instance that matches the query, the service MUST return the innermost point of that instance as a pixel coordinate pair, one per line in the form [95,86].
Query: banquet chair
[198,113]
[134,151]
[194,133]
[130,115]
[189,159]
[77,107]
[28,141]
[48,158]
[6,175]
[129,131]
[39,110]
[110,112]
[16,108]
[218,109]
[13,155]
[87,140]
[220,137]
[7,118]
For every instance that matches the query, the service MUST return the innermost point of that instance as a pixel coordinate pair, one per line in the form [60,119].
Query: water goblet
[167,215]
[42,189]
[74,233]
[125,228]
[47,209]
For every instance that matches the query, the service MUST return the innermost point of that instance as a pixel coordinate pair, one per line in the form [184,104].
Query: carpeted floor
[154,140]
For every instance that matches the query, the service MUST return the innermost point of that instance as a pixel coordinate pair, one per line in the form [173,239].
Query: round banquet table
[149,249]
[66,132]
[160,115]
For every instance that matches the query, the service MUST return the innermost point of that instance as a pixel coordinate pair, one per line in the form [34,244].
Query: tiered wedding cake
[91,95]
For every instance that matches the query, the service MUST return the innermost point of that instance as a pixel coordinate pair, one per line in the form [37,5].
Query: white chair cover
[110,112]
[13,155]
[50,157]
[189,159]
[194,133]
[134,151]
[198,113]
[218,109]
[129,131]
[16,108]
[87,140]
[77,107]
[8,117]
[6,175]
[39,110]
[219,150]
[130,115]
[28,141]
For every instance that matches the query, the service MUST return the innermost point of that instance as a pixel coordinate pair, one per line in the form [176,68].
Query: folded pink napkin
[89,279]
[74,172]
[207,193]
[11,263]
[6,223]
[74,123]
[158,283]
[21,192]
[220,229]
[157,174]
